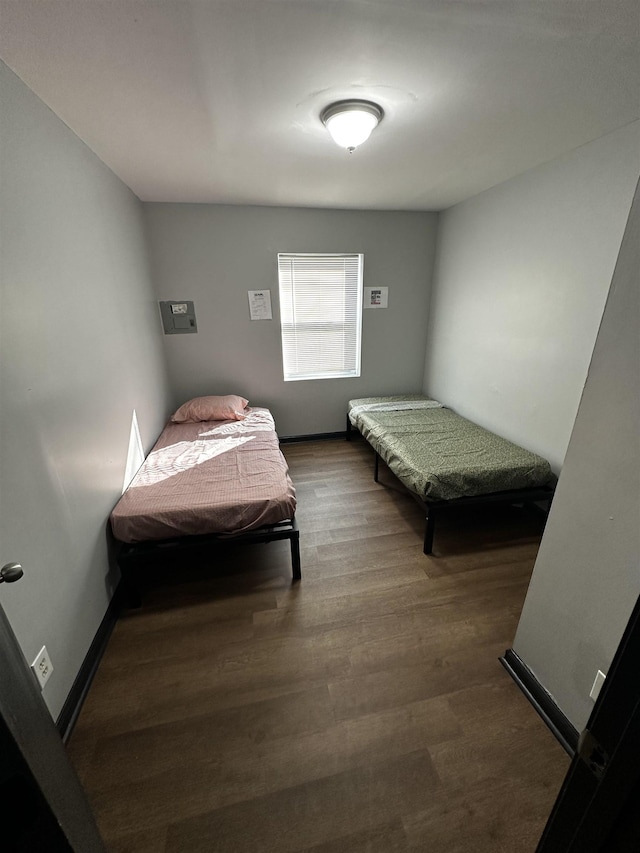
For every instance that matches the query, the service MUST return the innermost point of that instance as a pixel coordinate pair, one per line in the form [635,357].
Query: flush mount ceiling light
[350,122]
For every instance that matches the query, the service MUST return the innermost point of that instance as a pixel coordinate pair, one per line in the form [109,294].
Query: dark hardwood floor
[362,710]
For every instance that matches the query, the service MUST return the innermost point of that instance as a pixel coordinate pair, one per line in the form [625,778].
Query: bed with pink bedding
[210,481]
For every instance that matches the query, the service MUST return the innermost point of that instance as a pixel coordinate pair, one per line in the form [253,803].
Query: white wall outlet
[597,685]
[42,667]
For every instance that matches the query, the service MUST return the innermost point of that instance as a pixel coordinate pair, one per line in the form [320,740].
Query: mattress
[440,455]
[223,477]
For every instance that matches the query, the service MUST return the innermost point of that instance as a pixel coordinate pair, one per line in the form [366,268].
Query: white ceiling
[219,100]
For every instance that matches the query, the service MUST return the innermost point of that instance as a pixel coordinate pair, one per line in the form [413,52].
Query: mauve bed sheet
[209,477]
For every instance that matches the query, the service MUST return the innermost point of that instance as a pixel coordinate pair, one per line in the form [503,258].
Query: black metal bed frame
[129,554]
[434,509]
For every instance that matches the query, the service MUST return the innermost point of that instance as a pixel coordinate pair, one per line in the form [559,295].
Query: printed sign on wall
[260,304]
[376,297]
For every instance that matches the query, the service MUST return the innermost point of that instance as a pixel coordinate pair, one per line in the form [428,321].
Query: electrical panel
[178,318]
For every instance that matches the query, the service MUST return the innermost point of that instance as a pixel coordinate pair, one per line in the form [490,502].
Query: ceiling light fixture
[350,122]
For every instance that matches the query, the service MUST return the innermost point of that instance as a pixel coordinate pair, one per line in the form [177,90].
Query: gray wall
[521,280]
[587,576]
[80,349]
[214,254]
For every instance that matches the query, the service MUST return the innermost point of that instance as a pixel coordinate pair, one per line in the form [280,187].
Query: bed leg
[429,530]
[295,554]
[376,469]
[348,430]
[131,590]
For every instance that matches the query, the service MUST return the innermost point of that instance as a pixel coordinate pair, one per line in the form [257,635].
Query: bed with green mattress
[445,460]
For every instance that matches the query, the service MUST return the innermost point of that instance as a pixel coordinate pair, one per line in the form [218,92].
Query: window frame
[298,335]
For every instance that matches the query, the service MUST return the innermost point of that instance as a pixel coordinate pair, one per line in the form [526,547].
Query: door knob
[10,573]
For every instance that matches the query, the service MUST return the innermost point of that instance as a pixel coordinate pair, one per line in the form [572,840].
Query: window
[320,315]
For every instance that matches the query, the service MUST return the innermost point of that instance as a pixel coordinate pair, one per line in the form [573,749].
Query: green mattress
[440,455]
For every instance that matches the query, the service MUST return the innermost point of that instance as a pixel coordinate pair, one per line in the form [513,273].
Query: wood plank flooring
[362,710]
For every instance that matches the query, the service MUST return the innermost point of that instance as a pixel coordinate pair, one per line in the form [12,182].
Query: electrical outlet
[42,667]
[597,684]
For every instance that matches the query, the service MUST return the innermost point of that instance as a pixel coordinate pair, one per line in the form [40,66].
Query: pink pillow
[227,408]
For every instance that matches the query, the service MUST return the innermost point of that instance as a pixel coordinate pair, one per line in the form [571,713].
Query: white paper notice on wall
[260,304]
[376,297]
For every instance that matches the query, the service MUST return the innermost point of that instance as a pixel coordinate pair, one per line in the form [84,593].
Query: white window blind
[320,315]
